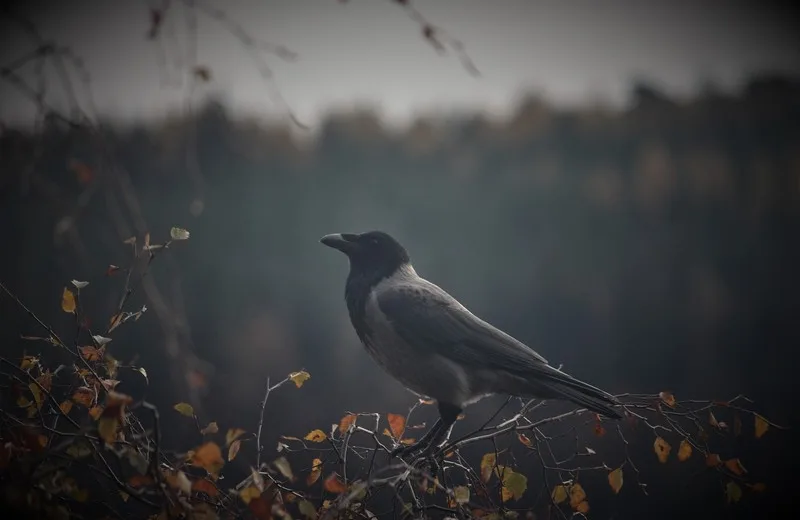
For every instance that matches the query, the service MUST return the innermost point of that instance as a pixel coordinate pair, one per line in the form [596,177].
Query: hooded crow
[436,347]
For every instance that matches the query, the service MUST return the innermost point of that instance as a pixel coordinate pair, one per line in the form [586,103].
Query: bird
[434,346]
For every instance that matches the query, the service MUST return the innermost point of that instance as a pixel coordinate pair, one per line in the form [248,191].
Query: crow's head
[373,252]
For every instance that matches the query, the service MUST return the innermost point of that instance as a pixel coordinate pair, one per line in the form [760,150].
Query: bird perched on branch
[436,347]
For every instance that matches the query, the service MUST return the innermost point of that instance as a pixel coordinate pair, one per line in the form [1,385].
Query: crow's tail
[551,383]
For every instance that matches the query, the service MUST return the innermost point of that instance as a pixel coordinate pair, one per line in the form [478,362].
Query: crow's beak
[344,242]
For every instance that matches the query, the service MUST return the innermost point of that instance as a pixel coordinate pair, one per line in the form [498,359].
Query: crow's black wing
[428,318]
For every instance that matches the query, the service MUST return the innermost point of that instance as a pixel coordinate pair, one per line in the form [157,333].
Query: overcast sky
[370,51]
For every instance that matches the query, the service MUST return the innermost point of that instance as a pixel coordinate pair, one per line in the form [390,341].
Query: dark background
[647,247]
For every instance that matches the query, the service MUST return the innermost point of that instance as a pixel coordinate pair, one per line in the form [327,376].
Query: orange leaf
[615,479]
[95,412]
[234,449]
[90,353]
[66,407]
[524,439]
[347,421]
[204,486]
[761,426]
[576,495]
[662,449]
[735,466]
[209,457]
[316,471]
[668,398]
[397,424]
[68,301]
[582,507]
[684,450]
[333,484]
[713,460]
[599,430]
[316,436]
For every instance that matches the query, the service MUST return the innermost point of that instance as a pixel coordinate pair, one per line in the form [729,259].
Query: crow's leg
[421,443]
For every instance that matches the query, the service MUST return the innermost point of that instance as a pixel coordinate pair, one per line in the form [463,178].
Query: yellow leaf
[307,509]
[684,451]
[576,495]
[316,471]
[559,494]
[733,492]
[506,494]
[615,479]
[347,421]
[461,494]
[233,450]
[107,428]
[316,436]
[210,429]
[38,396]
[488,463]
[232,435]
[662,449]
[514,483]
[209,457]
[667,398]
[28,362]
[761,426]
[582,507]
[184,409]
[299,377]
[68,301]
[397,425]
[125,496]
[735,466]
[95,412]
[249,493]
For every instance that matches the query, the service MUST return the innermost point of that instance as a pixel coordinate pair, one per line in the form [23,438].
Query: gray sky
[370,51]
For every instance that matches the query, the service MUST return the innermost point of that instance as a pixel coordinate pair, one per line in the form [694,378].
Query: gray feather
[431,320]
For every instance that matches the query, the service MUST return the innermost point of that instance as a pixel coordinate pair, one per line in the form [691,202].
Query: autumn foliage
[86,448]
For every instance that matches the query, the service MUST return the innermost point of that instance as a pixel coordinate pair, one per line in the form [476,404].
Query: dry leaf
[684,451]
[461,494]
[397,425]
[662,449]
[733,492]
[184,409]
[615,479]
[204,486]
[209,457]
[347,421]
[84,395]
[316,471]
[233,450]
[232,435]
[524,439]
[68,301]
[667,398]
[298,378]
[283,466]
[713,460]
[761,426]
[735,466]
[576,495]
[65,407]
[210,429]
[315,436]
[488,463]
[177,233]
[90,353]
[249,493]
[582,507]
[559,494]
[333,484]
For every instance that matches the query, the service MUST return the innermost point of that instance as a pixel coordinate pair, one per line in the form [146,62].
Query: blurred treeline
[647,248]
